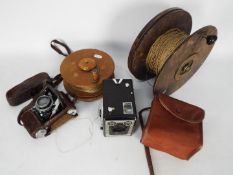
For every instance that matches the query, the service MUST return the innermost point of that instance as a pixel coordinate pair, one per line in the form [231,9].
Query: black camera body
[48,109]
[119,113]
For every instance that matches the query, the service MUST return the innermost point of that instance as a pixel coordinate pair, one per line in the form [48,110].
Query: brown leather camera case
[174,127]
[31,122]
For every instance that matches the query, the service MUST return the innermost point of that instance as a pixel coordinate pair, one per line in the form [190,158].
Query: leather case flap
[182,110]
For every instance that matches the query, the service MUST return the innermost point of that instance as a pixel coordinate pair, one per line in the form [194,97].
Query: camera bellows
[162,48]
[83,73]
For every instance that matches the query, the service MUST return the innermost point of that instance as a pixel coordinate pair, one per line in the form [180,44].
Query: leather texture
[174,127]
[26,89]
[30,121]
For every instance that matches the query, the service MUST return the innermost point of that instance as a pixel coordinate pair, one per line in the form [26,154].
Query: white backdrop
[27,27]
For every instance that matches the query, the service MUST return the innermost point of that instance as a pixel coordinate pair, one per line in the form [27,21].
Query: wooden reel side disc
[168,19]
[83,73]
[185,61]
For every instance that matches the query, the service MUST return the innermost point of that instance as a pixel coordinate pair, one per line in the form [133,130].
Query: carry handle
[55,44]
[57,80]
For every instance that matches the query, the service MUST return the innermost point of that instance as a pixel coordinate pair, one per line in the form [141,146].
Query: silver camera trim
[44,108]
[110,123]
[41,133]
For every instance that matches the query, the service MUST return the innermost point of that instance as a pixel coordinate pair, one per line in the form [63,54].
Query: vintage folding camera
[118,114]
[48,109]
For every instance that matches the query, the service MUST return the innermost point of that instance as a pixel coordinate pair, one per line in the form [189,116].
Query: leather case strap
[56,44]
[147,149]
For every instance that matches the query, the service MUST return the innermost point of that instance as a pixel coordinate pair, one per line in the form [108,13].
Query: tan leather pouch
[174,127]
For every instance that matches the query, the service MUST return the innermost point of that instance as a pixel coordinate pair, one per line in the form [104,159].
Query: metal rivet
[72,112]
[211,39]
[41,133]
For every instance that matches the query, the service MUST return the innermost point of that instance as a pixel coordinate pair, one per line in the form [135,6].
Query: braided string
[162,48]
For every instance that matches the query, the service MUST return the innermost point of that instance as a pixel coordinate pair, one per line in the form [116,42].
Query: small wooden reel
[185,59]
[83,73]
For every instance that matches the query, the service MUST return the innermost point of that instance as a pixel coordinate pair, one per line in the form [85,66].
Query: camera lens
[44,102]
[43,106]
[118,129]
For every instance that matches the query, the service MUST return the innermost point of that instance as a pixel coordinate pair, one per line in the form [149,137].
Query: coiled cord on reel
[162,48]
